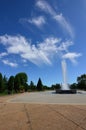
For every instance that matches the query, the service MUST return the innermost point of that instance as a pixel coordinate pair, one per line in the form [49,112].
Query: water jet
[65,89]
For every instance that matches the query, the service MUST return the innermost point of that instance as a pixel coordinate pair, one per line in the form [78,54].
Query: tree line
[14,83]
[19,83]
[81,82]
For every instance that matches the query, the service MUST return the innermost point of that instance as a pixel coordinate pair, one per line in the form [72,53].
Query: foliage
[10,84]
[18,83]
[32,86]
[46,87]
[22,77]
[5,82]
[21,88]
[20,80]
[1,83]
[56,86]
[26,87]
[39,85]
[13,84]
[73,86]
[81,82]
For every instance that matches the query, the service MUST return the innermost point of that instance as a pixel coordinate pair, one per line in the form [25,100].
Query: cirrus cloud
[43,5]
[37,53]
[38,21]
[21,46]
[72,56]
[60,19]
[3,54]
[12,64]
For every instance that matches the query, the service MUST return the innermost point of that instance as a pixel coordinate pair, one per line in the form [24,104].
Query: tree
[17,83]
[56,86]
[32,86]
[73,86]
[45,87]
[10,84]
[5,81]
[39,85]
[26,87]
[23,77]
[81,82]
[20,80]
[1,83]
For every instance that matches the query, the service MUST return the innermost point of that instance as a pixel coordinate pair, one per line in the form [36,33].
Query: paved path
[26,116]
[21,112]
[50,97]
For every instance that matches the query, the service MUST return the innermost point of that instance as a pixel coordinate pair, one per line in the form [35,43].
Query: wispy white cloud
[46,7]
[49,45]
[43,5]
[37,53]
[37,21]
[65,45]
[28,51]
[72,56]
[7,62]
[3,54]
[64,24]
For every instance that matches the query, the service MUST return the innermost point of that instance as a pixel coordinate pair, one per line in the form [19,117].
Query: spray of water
[64,72]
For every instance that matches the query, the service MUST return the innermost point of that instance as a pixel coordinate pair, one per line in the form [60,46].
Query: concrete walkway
[50,97]
[43,111]
[24,116]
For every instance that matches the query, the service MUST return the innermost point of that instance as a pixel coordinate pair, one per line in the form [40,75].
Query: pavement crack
[28,117]
[79,108]
[78,125]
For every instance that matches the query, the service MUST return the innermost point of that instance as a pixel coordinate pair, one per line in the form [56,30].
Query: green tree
[20,80]
[5,81]
[10,84]
[56,86]
[1,83]
[45,87]
[17,84]
[23,78]
[39,85]
[81,82]
[32,86]
[26,87]
[73,86]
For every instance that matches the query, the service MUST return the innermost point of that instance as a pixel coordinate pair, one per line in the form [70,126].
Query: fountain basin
[70,91]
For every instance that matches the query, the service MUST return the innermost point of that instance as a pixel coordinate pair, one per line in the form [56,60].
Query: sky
[36,36]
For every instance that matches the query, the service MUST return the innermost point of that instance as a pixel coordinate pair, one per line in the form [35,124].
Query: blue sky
[37,35]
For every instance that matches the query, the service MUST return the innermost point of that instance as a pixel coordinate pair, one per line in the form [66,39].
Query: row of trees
[19,83]
[81,82]
[38,87]
[13,84]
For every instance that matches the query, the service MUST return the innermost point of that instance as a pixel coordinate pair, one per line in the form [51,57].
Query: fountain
[64,87]
[64,71]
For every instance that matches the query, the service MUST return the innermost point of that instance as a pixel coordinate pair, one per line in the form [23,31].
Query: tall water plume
[64,72]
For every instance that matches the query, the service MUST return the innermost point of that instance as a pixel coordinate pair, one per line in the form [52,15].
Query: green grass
[6,93]
[3,93]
